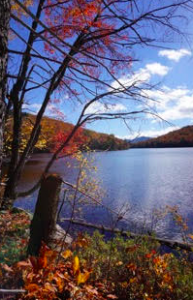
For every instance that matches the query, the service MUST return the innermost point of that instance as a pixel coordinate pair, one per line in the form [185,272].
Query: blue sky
[170,69]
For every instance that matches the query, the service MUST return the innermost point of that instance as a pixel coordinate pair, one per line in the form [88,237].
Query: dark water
[141,179]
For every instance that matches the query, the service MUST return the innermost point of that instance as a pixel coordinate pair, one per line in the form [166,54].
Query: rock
[18,210]
[58,238]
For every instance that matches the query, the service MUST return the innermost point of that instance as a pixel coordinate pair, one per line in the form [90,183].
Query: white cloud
[150,133]
[165,96]
[156,133]
[51,110]
[157,69]
[34,107]
[143,75]
[183,109]
[98,107]
[172,104]
[175,55]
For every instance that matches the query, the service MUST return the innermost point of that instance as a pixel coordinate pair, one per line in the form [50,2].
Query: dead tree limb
[11,292]
[171,244]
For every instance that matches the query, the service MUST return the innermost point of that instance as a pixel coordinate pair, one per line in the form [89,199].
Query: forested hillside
[178,138]
[53,132]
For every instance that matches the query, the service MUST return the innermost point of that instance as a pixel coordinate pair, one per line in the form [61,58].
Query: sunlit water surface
[141,179]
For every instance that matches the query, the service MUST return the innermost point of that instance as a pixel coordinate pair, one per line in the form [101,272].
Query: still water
[138,181]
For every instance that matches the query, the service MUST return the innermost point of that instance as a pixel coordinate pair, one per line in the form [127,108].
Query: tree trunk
[9,194]
[54,83]
[19,86]
[44,220]
[5,8]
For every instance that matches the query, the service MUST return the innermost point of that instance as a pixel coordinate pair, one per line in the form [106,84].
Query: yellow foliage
[18,9]
[76,265]
[66,254]
[82,277]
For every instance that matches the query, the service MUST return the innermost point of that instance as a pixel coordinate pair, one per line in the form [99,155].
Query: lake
[136,180]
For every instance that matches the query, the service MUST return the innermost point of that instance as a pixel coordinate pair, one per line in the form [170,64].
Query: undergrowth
[91,268]
[14,235]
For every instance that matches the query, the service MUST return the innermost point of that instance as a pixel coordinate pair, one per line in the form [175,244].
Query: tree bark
[44,220]
[5,9]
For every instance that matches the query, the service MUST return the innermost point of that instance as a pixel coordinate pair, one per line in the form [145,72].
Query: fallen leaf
[76,265]
[49,287]
[82,277]
[110,296]
[32,287]
[7,268]
[23,264]
[66,254]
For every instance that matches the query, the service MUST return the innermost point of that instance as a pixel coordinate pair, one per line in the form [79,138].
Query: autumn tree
[76,50]
[4,26]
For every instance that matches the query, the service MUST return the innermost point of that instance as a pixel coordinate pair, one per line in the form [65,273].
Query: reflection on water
[144,178]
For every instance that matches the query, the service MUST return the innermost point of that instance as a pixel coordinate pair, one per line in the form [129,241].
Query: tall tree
[4,27]
[78,49]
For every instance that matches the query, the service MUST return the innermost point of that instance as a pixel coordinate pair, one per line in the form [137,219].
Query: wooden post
[45,216]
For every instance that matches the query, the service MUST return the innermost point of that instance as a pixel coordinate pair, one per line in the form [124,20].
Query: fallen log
[171,244]
[10,292]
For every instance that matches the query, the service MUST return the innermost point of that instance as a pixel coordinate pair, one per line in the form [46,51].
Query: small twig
[62,204]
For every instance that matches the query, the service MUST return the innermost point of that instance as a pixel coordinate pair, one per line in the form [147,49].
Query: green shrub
[135,269]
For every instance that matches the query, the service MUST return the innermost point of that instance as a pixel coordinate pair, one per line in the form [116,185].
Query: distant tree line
[178,138]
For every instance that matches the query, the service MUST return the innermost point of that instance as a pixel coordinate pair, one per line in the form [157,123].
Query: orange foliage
[45,279]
